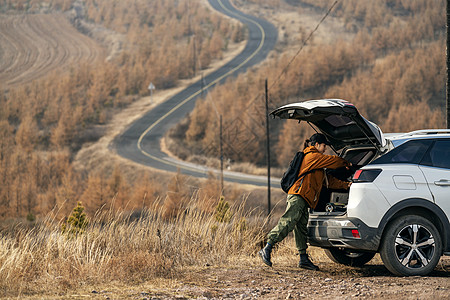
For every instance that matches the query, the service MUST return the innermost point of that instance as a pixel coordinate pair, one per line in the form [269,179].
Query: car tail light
[366,175]
[355,234]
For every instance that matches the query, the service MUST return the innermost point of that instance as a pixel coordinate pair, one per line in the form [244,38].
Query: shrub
[223,213]
[77,221]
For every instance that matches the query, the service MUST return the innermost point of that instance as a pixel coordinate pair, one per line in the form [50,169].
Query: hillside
[387,58]
[34,45]
[66,68]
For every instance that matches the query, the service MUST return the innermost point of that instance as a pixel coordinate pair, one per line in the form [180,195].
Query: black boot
[306,263]
[264,253]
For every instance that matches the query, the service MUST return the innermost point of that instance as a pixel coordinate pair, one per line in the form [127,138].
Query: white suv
[399,202]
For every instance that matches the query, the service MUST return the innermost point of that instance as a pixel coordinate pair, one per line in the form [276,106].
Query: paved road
[141,141]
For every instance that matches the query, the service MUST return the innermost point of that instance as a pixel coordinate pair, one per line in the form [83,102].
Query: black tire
[348,257]
[411,246]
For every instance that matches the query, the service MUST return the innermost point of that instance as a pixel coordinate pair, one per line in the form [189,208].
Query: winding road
[141,141]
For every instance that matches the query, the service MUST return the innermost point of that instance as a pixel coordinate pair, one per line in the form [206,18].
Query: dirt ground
[333,281]
[251,279]
[286,281]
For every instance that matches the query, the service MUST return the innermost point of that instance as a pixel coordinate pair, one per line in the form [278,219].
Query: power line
[283,72]
[278,78]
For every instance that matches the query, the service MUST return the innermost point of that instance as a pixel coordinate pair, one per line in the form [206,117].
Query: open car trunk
[351,136]
[334,202]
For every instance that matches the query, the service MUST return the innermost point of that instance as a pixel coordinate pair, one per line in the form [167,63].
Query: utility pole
[269,208]
[201,84]
[195,58]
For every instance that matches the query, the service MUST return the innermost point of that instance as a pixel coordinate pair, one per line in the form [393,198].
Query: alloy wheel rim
[414,246]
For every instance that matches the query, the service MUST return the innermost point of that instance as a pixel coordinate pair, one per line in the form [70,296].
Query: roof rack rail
[428,131]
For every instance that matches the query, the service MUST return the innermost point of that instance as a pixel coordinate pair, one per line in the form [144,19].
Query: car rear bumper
[342,232]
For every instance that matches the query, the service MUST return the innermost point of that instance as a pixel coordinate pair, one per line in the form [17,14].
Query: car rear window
[439,155]
[410,152]
[339,121]
[360,158]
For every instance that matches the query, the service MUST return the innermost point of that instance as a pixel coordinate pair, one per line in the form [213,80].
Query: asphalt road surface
[141,141]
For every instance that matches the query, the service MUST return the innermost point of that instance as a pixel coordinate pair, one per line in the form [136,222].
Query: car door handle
[442,182]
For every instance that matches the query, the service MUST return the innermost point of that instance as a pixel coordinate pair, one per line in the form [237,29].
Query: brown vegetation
[114,246]
[44,122]
[393,70]
[34,44]
[193,255]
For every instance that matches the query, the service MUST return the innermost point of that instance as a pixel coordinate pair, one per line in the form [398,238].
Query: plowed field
[31,45]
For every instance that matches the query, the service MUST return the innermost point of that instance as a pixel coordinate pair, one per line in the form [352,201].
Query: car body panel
[337,232]
[397,184]
[439,183]
[368,203]
[399,138]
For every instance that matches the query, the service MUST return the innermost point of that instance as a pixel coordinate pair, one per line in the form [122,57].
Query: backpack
[291,175]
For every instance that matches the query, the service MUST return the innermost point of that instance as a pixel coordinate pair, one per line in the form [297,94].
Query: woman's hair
[316,138]
[306,144]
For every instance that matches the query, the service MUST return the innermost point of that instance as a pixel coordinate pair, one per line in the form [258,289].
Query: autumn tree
[178,195]
[292,137]
[97,194]
[118,188]
[394,60]
[145,192]
[413,116]
[27,133]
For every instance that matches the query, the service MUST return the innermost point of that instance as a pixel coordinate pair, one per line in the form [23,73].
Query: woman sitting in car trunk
[305,194]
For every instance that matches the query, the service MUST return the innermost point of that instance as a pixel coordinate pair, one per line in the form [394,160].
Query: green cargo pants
[294,218]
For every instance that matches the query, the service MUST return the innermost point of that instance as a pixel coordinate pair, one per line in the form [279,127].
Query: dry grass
[127,249]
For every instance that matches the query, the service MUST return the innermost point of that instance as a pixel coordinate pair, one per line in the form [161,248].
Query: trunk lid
[337,119]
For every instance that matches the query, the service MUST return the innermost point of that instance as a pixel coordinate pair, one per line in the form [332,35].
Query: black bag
[291,174]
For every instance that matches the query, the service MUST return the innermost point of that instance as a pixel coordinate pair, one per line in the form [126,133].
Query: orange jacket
[310,185]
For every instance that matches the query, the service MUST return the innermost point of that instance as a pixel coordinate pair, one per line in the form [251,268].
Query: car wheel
[411,246]
[348,257]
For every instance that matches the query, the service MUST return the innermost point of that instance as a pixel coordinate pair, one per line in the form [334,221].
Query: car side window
[410,152]
[439,155]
